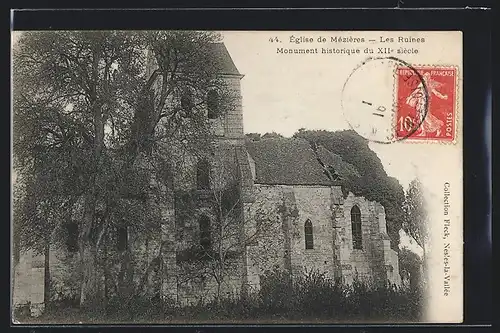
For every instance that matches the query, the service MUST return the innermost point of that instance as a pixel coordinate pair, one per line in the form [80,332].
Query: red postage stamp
[425,107]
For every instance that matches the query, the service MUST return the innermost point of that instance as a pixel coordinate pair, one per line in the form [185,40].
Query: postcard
[271,177]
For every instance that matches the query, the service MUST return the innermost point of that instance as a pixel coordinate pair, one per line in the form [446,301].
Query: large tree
[94,115]
[415,222]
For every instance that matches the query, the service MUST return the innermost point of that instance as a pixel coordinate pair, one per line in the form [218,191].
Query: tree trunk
[423,271]
[89,295]
[218,291]
[106,273]
[126,277]
[46,287]
[90,292]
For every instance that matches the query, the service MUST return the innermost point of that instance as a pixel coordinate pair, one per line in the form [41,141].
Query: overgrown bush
[276,291]
[21,312]
[311,297]
[316,296]
[62,297]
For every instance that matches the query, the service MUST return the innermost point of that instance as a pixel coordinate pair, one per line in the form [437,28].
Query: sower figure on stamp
[416,100]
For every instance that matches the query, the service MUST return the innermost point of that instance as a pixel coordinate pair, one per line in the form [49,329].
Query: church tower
[223,169]
[226,125]
[230,125]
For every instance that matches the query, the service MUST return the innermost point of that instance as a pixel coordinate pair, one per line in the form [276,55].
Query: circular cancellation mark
[370,98]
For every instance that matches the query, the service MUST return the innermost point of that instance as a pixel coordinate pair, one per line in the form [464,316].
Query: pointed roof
[224,60]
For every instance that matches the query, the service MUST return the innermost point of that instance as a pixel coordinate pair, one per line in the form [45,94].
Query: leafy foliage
[253,136]
[409,267]
[415,214]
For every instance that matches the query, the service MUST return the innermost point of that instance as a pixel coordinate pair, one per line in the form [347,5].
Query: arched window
[213,104]
[356,228]
[205,238]
[203,174]
[308,231]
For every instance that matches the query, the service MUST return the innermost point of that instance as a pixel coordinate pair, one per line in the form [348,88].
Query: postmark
[437,102]
[370,100]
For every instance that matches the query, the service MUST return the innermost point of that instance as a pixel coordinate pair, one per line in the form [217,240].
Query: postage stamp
[426,108]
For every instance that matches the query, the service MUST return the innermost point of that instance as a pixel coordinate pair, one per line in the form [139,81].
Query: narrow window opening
[122,239]
[205,238]
[203,174]
[213,104]
[72,236]
[356,228]
[308,231]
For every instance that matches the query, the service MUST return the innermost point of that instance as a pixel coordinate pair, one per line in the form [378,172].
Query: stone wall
[264,225]
[199,281]
[312,203]
[196,273]
[28,282]
[371,263]
[284,211]
[356,262]
[234,117]
[143,248]
[283,244]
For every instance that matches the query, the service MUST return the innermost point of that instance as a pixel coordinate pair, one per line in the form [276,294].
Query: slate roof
[292,161]
[224,60]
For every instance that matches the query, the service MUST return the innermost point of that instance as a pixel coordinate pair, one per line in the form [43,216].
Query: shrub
[316,296]
[62,297]
[277,293]
[21,312]
[312,297]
